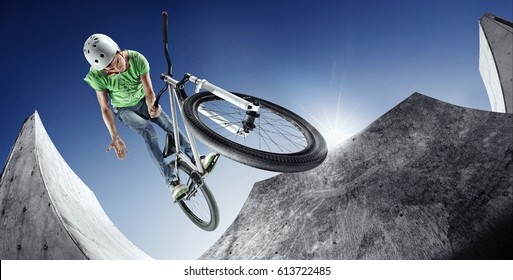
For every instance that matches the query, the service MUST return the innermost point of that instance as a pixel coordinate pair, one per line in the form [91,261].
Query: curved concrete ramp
[496,61]
[48,212]
[427,180]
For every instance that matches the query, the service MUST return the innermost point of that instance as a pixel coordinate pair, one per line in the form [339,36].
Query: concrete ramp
[427,180]
[496,61]
[48,212]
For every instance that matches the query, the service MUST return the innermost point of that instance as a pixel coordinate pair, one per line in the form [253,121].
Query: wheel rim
[273,132]
[197,206]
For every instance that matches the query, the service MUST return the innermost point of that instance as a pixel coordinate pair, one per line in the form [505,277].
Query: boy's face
[118,64]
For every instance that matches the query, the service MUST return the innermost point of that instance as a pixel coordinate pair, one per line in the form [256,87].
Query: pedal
[213,164]
[190,193]
[179,199]
[169,146]
[196,178]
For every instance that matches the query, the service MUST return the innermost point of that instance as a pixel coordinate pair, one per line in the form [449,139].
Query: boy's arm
[150,96]
[108,118]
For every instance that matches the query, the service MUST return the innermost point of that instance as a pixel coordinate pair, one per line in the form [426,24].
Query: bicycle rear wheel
[280,140]
[199,205]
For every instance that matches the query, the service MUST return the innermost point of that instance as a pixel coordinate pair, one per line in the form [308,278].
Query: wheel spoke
[198,205]
[273,138]
[273,132]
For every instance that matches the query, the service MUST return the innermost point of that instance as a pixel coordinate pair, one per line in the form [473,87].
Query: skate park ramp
[427,180]
[48,212]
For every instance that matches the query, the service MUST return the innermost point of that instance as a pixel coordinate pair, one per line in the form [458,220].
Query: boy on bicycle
[123,77]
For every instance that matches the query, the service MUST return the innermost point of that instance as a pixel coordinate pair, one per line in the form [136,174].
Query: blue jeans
[138,119]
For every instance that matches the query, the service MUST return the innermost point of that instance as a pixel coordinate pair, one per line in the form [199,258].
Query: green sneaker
[178,190]
[209,162]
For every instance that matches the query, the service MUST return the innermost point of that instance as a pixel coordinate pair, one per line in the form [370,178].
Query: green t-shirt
[125,88]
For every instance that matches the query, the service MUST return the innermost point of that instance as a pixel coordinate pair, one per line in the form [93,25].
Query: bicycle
[241,127]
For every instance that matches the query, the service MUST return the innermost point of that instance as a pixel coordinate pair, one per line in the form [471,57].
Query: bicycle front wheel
[199,205]
[279,140]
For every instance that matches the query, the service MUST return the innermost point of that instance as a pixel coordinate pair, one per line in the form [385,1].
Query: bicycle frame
[177,99]
[289,130]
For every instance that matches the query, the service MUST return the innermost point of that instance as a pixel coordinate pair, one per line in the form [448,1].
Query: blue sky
[340,64]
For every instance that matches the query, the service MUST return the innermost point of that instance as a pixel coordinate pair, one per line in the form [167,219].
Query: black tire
[200,208]
[302,147]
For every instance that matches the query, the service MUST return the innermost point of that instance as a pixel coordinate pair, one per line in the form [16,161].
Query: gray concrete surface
[427,180]
[48,212]
[496,61]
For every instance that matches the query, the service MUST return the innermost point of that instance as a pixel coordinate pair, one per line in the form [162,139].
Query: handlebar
[166,52]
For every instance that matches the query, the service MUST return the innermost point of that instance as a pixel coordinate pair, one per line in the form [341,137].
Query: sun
[334,136]
[335,124]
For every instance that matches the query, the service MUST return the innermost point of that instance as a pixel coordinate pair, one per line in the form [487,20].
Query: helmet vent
[94,46]
[102,55]
[96,60]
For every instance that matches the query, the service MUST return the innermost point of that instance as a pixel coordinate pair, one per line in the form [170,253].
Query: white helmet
[99,50]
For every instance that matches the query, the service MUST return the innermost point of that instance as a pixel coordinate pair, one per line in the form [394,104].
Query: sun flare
[335,124]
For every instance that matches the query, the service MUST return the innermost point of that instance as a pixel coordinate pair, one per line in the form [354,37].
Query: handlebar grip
[166,52]
[164,25]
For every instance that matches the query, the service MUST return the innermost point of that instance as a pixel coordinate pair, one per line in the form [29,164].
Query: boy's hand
[119,146]
[154,111]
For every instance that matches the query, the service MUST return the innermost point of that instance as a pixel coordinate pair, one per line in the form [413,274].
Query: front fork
[177,88]
[250,107]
